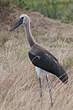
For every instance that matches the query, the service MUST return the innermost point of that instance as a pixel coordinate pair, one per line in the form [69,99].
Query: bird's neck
[28,35]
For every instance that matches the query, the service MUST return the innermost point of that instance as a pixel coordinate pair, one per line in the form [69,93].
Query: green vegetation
[4,3]
[57,9]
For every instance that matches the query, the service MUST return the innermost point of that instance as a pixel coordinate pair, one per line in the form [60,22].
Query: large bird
[43,61]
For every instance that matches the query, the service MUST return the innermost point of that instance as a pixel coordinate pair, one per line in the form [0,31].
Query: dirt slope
[19,87]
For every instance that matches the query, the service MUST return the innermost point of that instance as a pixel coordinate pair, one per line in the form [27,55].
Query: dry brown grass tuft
[68,63]
[3,39]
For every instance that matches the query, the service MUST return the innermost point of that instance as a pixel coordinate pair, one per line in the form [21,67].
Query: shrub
[57,9]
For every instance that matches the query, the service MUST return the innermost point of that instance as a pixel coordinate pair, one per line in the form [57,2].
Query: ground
[19,86]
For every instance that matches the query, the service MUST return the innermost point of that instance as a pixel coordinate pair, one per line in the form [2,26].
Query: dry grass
[3,39]
[67,63]
[19,87]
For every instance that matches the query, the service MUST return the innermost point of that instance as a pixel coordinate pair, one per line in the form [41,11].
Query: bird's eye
[22,17]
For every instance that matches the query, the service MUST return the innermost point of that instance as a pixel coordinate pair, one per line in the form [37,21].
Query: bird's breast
[40,72]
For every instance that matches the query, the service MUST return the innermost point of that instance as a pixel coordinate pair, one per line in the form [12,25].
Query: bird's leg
[40,87]
[49,90]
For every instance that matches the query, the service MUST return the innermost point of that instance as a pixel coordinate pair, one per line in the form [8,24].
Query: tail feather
[62,75]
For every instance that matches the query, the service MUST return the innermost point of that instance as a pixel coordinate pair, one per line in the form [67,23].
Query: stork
[43,61]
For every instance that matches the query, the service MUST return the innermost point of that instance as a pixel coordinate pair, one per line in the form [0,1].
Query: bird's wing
[49,63]
[44,61]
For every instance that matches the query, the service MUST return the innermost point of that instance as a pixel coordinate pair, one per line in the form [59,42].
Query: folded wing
[49,63]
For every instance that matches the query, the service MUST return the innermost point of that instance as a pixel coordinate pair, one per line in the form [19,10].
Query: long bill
[17,24]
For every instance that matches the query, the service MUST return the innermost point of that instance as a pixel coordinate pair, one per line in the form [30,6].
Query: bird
[43,60]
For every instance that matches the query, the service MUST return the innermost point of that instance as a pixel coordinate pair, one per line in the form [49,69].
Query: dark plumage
[46,61]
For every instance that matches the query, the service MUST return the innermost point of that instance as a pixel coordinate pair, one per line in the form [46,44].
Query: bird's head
[23,18]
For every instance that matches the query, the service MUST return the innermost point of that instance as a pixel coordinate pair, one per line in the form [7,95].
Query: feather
[43,59]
